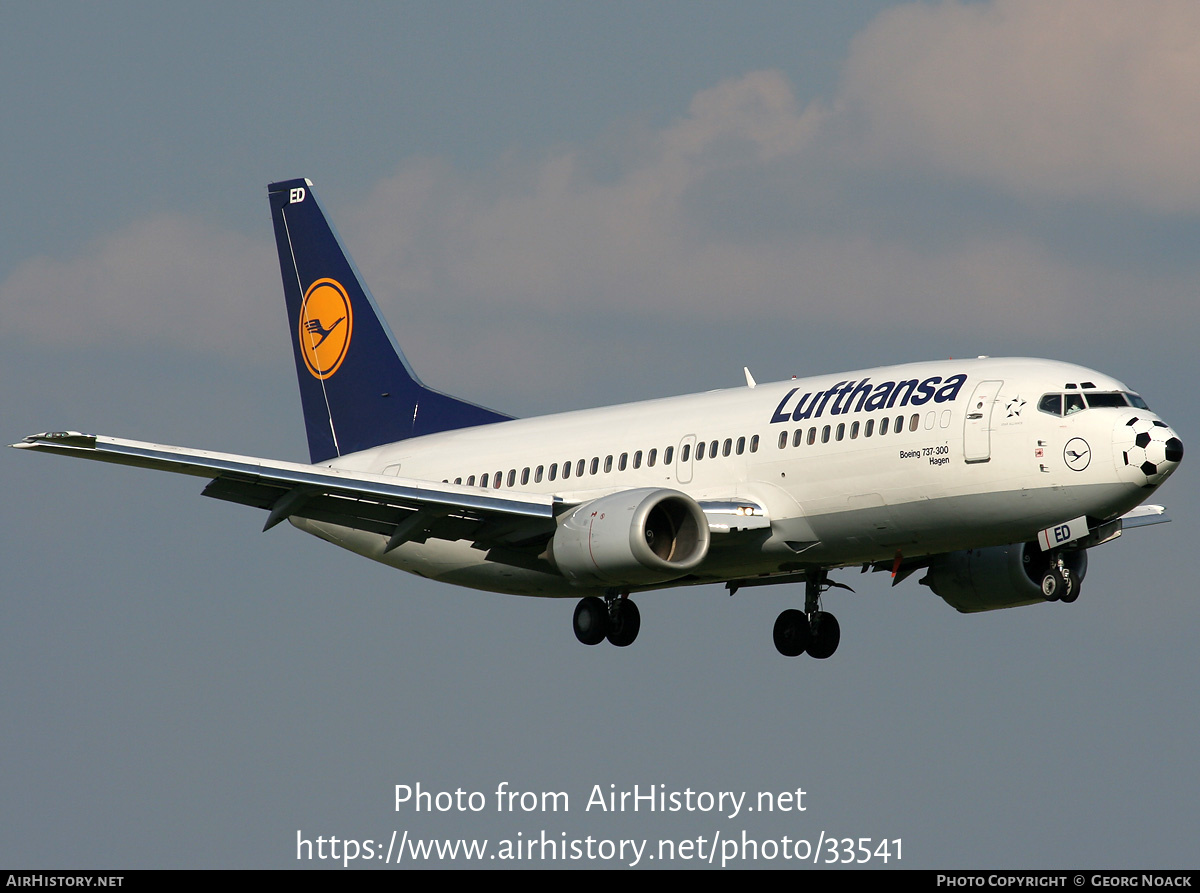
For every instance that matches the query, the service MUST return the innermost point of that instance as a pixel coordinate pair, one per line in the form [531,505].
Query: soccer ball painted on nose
[1148,449]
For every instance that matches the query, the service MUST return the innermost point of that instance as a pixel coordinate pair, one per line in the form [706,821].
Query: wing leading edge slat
[375,503]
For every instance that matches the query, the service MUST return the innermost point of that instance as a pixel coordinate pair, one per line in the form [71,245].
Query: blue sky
[561,206]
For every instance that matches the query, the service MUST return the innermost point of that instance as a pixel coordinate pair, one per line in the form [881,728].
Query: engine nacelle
[631,538]
[997,577]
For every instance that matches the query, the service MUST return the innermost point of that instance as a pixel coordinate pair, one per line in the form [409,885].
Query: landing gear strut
[624,621]
[812,629]
[614,617]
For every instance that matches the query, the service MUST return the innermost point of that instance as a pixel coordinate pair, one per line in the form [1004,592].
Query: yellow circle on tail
[326,324]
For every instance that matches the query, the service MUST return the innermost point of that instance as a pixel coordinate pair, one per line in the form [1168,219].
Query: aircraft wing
[1144,515]
[402,509]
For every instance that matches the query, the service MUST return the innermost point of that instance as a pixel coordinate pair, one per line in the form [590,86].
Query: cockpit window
[1066,404]
[1105,398]
[1051,403]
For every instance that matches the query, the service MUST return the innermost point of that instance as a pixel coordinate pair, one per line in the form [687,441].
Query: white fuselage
[851,468]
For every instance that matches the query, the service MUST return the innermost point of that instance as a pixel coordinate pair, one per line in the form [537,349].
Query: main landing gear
[613,617]
[812,629]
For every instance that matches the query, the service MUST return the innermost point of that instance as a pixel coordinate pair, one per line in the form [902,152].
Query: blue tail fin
[356,387]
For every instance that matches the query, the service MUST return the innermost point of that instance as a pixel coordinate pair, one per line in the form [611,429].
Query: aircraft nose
[1145,449]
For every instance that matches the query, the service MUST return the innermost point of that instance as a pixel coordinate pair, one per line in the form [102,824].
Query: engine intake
[631,538]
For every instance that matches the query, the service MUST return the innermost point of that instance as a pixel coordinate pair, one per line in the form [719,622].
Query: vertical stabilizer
[355,385]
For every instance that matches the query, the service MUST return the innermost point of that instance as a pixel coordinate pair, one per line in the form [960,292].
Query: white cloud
[549,237]
[167,280]
[1047,98]
[1078,98]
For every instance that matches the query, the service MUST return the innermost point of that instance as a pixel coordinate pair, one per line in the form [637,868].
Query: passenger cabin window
[595,466]
[798,438]
[825,434]
[579,468]
[607,464]
[668,455]
[553,470]
[637,459]
[537,475]
[687,450]
[812,436]
[700,451]
[854,431]
[512,476]
[841,430]
[754,444]
[624,460]
[914,422]
[651,457]
[869,428]
[783,438]
[741,445]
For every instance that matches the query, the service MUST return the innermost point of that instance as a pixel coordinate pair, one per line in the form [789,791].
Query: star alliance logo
[1015,405]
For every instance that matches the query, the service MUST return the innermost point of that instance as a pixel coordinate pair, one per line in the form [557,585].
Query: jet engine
[997,577]
[631,538]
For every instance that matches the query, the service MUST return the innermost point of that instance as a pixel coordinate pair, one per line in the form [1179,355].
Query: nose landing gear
[1058,582]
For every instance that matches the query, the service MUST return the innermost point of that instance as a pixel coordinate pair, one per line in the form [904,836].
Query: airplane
[994,476]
